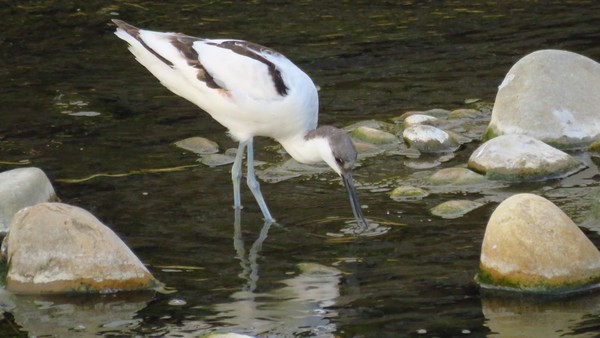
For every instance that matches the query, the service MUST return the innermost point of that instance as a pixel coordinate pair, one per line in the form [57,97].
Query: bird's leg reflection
[248,262]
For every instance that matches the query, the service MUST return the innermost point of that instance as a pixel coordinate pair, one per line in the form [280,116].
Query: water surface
[305,276]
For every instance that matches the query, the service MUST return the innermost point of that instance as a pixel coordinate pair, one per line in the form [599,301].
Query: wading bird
[252,91]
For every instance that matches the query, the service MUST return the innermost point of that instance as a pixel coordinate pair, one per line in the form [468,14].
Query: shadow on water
[75,103]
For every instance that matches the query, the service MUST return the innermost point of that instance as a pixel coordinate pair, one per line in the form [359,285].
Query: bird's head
[339,152]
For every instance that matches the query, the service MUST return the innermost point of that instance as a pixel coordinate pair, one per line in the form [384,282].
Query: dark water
[372,61]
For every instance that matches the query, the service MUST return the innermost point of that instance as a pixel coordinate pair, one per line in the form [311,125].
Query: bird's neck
[304,150]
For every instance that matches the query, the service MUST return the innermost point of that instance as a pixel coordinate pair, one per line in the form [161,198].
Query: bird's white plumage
[247,103]
[241,75]
[252,91]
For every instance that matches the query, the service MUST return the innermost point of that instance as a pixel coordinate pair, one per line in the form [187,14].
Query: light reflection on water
[372,61]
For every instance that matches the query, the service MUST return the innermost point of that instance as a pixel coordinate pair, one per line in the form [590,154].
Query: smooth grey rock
[413,119]
[374,136]
[20,188]
[429,139]
[531,245]
[521,158]
[551,95]
[216,160]
[454,208]
[406,192]
[58,248]
[456,176]
[198,145]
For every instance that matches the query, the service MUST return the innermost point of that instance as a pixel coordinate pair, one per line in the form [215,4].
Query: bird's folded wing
[241,70]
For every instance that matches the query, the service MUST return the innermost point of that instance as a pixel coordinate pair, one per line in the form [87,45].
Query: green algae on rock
[454,208]
[530,245]
[405,192]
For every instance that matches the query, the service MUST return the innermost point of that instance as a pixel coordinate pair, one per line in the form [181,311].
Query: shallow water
[306,276]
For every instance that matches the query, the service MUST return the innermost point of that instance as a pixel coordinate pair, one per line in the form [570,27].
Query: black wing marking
[253,50]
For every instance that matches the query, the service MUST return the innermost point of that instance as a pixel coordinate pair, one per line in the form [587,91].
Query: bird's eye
[338,161]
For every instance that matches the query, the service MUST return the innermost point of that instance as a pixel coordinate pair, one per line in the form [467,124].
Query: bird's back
[248,88]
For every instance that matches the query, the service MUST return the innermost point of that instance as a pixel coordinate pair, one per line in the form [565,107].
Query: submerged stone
[531,245]
[198,145]
[521,158]
[465,113]
[455,208]
[407,192]
[20,188]
[439,113]
[429,139]
[420,119]
[216,160]
[372,135]
[456,176]
[551,95]
[58,248]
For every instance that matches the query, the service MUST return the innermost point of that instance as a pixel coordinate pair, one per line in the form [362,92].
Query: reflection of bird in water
[252,91]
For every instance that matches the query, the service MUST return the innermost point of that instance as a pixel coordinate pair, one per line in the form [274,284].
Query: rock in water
[58,248]
[20,188]
[429,139]
[520,158]
[531,245]
[551,95]
[454,208]
[198,145]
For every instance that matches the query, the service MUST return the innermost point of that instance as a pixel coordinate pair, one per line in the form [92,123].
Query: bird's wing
[233,67]
[240,67]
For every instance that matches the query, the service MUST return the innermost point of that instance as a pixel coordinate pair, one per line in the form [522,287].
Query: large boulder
[551,95]
[20,188]
[58,248]
[531,245]
[521,158]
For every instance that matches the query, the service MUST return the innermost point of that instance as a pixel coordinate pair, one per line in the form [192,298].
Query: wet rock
[455,208]
[365,149]
[456,176]
[216,160]
[411,120]
[290,169]
[435,112]
[521,158]
[374,124]
[407,192]
[551,95]
[372,135]
[594,148]
[198,145]
[465,113]
[58,248]
[531,245]
[20,188]
[429,139]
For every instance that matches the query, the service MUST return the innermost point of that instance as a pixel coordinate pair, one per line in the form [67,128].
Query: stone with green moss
[530,245]
[372,135]
[456,176]
[455,208]
[594,148]
[407,192]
